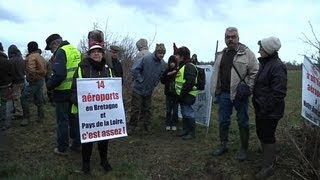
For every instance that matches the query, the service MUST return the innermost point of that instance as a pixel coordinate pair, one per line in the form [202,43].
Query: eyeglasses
[231,37]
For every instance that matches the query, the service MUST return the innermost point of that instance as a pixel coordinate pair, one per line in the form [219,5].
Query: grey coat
[146,74]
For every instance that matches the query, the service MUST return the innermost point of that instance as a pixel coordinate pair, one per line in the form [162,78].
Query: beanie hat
[32,46]
[185,52]
[271,44]
[1,47]
[160,48]
[142,44]
[115,48]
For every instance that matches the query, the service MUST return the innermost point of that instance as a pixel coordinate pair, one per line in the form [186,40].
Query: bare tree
[313,42]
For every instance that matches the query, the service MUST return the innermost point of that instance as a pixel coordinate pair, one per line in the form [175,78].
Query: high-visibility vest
[74,108]
[180,81]
[73,59]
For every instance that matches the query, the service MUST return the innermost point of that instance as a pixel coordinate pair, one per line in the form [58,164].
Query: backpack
[201,78]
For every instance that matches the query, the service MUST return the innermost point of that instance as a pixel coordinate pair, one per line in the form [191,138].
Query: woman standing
[92,66]
[269,91]
[168,79]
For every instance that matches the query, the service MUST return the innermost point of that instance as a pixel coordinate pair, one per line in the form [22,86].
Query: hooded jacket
[246,64]
[5,71]
[270,87]
[146,74]
[18,64]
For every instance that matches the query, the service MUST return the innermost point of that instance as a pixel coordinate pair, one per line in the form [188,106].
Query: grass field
[162,155]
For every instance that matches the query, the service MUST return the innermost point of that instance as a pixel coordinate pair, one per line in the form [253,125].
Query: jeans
[171,111]
[187,111]
[63,110]
[32,90]
[140,109]
[226,107]
[17,91]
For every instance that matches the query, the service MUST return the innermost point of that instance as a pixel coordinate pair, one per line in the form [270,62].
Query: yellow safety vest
[180,81]
[74,108]
[73,59]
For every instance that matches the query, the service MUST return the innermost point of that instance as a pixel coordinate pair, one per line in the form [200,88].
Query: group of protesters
[237,75]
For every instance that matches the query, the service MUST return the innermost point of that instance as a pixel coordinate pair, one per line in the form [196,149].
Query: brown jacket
[35,67]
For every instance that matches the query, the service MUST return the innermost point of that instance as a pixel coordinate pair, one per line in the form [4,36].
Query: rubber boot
[185,129]
[244,139]
[191,127]
[268,162]
[40,114]
[223,148]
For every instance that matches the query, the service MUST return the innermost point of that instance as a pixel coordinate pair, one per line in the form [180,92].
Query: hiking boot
[57,152]
[24,122]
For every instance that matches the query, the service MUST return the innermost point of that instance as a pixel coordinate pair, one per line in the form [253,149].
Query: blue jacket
[146,74]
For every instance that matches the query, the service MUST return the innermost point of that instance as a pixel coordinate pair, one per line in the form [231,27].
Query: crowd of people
[237,75]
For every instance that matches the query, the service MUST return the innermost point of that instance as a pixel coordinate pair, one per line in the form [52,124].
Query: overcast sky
[197,24]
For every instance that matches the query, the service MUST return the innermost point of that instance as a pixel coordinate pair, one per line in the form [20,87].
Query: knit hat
[160,48]
[1,47]
[142,44]
[32,46]
[271,44]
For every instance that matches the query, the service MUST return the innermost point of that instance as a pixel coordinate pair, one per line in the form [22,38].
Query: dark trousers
[103,151]
[140,109]
[171,111]
[266,128]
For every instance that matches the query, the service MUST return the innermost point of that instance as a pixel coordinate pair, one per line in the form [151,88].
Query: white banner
[101,111]
[310,92]
[202,106]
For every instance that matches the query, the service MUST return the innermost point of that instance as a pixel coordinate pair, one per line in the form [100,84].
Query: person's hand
[172,72]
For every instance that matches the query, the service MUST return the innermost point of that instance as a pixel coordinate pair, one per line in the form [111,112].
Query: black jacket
[89,69]
[190,75]
[169,82]
[5,71]
[270,88]
[18,64]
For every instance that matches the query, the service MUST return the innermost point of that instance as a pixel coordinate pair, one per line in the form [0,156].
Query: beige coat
[36,68]
[245,62]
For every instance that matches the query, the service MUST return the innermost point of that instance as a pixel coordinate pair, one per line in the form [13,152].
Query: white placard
[101,111]
[310,92]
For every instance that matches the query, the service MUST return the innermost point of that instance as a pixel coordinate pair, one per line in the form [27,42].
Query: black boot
[191,127]
[244,139]
[86,156]
[268,161]
[103,151]
[185,129]
[223,148]
[86,167]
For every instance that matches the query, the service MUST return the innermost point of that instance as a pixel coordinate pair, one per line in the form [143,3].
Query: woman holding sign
[92,66]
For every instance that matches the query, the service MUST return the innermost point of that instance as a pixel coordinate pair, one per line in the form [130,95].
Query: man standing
[234,63]
[117,67]
[146,75]
[18,65]
[5,83]
[66,59]
[143,48]
[186,91]
[35,74]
